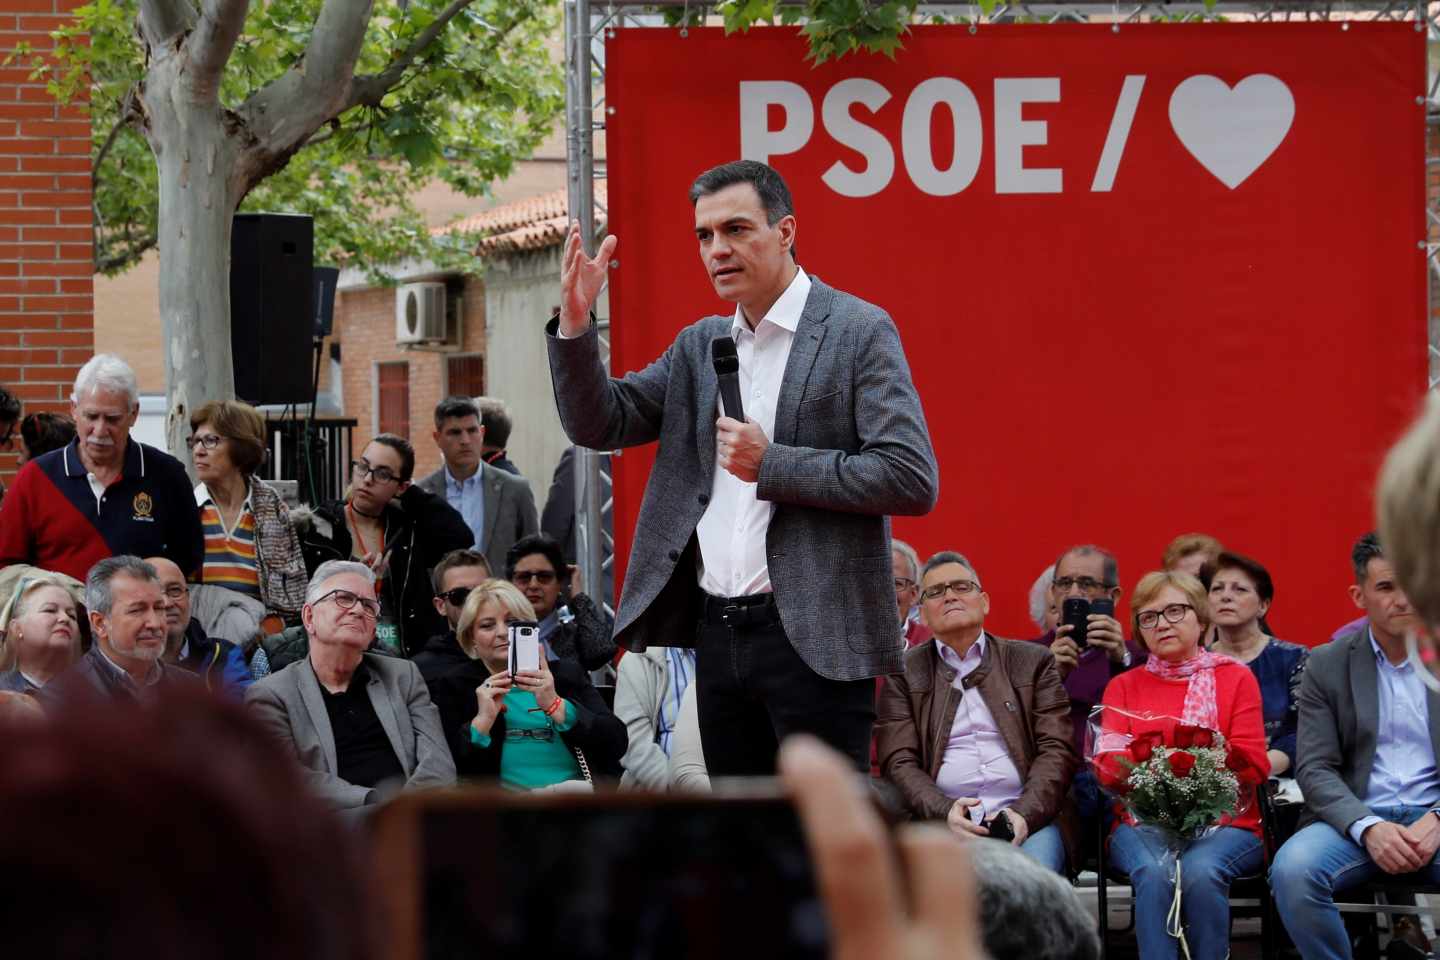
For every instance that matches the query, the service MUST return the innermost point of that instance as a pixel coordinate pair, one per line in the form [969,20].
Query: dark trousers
[753,690]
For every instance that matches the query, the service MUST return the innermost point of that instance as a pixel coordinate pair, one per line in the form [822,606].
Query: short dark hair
[401,446]
[1252,568]
[46,431]
[1367,548]
[9,406]
[769,186]
[541,543]
[948,556]
[1111,569]
[495,418]
[464,557]
[99,592]
[453,407]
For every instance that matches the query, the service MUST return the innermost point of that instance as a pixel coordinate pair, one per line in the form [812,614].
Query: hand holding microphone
[739,443]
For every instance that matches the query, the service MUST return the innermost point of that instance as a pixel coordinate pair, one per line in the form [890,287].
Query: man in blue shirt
[1368,735]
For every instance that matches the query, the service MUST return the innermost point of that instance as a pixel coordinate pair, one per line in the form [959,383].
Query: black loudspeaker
[272,311]
[325,280]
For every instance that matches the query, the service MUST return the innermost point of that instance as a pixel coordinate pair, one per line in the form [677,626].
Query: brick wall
[365,328]
[46,293]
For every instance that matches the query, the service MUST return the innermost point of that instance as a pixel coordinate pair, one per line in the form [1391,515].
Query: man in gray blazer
[361,724]
[765,542]
[1369,732]
[498,507]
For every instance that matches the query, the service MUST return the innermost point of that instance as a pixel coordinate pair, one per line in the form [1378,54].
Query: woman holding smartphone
[535,729]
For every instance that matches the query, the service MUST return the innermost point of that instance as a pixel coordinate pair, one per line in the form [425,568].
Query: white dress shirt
[732,560]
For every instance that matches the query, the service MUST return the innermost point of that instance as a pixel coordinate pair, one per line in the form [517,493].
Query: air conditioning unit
[420,313]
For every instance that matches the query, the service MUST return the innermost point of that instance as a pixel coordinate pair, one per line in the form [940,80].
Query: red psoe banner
[1149,281]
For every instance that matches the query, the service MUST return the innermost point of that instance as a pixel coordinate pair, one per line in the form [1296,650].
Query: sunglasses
[456,597]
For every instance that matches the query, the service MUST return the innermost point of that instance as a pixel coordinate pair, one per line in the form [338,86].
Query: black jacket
[587,639]
[420,528]
[598,735]
[441,655]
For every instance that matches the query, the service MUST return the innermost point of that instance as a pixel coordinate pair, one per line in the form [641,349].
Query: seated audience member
[361,724]
[457,573]
[250,543]
[1240,593]
[42,432]
[688,773]
[496,421]
[9,416]
[1190,552]
[55,519]
[905,564]
[396,529]
[218,662]
[1044,611]
[536,729]
[649,688]
[1366,764]
[115,813]
[947,725]
[39,635]
[1183,680]
[572,627]
[1026,911]
[127,621]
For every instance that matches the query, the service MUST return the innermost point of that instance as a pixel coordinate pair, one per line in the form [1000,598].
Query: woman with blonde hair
[39,634]
[537,729]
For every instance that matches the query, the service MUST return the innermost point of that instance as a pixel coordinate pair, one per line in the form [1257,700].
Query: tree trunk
[195,153]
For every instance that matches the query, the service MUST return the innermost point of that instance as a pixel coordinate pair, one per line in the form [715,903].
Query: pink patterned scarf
[1200,707]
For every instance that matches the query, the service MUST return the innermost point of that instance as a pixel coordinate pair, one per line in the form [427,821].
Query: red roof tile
[535,223]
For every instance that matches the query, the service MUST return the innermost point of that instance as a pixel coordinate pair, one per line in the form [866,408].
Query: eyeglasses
[1174,613]
[346,600]
[1086,584]
[456,597]
[207,440]
[903,583]
[360,470]
[960,587]
[543,577]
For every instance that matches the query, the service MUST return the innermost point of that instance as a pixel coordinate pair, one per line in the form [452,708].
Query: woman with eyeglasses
[39,634]
[1170,612]
[572,626]
[250,544]
[536,729]
[396,529]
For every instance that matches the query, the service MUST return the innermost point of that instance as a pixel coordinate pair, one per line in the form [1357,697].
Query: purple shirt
[976,763]
[1086,683]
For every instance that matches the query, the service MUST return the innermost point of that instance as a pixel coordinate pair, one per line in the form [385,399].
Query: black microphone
[727,368]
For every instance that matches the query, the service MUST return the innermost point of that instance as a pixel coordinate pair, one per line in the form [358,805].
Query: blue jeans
[1048,847]
[1206,868]
[1312,866]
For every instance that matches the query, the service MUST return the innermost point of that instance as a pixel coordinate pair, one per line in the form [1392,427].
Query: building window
[394,382]
[465,376]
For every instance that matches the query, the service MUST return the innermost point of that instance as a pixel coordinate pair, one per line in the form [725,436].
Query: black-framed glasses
[1173,612]
[456,597]
[359,469]
[1086,584]
[961,588]
[543,577]
[207,440]
[346,600]
[903,583]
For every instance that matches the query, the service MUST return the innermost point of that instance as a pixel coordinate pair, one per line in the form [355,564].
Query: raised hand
[581,280]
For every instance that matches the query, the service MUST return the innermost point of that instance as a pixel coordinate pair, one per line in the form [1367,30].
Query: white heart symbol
[1232,132]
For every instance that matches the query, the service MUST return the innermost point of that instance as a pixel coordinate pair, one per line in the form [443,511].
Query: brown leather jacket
[1022,688]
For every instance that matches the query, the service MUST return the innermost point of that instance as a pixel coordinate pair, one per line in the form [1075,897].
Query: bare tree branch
[370,88]
[131,253]
[129,111]
[163,20]
[211,44]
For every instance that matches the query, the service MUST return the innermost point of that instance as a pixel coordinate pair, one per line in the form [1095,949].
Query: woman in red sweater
[1181,680]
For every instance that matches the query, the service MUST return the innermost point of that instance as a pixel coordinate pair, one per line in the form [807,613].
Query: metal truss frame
[587,25]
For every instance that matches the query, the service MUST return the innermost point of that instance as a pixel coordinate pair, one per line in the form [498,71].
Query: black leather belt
[756,610]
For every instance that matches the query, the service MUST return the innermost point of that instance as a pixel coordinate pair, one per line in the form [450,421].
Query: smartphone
[1104,605]
[999,827]
[524,645]
[494,873]
[1073,611]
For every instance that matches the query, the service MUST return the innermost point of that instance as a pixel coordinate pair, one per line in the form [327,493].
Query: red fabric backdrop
[1175,353]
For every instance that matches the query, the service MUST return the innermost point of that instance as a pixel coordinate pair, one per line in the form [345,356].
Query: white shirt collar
[786,312]
[948,654]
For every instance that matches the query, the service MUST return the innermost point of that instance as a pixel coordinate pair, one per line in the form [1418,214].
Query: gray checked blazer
[509,511]
[289,703]
[1339,720]
[850,448]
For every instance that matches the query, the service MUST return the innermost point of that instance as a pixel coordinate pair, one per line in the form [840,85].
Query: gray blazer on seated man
[361,724]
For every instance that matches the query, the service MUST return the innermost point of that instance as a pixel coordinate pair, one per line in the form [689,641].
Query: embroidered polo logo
[144,506]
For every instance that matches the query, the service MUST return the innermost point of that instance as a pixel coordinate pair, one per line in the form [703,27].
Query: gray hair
[911,557]
[1027,911]
[331,569]
[1040,597]
[99,598]
[105,371]
[950,556]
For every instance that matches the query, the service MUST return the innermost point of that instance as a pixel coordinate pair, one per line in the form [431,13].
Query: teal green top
[528,760]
